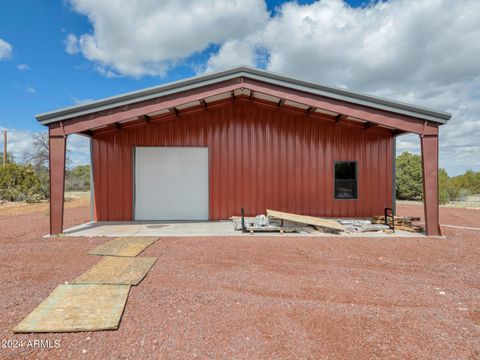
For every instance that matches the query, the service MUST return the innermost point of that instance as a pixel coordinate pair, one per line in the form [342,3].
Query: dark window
[345,179]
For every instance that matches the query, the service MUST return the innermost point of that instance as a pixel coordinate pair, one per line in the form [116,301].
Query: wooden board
[124,246]
[71,308]
[117,270]
[310,220]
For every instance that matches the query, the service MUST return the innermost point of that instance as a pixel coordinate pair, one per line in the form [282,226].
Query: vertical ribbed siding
[259,158]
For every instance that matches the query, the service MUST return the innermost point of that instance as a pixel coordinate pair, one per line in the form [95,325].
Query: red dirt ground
[448,215]
[261,297]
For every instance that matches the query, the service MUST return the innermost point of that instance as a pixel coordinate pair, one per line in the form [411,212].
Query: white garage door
[171,183]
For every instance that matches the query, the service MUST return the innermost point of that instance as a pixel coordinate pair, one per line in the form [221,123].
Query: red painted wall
[259,158]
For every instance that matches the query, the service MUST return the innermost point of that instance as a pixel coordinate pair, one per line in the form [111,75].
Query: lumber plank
[124,246]
[117,270]
[304,219]
[79,307]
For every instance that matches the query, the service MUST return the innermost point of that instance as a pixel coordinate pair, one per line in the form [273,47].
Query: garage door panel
[171,183]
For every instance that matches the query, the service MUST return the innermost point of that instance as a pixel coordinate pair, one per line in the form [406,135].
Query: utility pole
[4,147]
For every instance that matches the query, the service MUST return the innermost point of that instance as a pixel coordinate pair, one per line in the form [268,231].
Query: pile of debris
[362,226]
[277,221]
[404,223]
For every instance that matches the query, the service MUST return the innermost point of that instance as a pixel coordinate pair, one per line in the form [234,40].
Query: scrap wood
[398,219]
[117,270]
[405,218]
[80,307]
[124,246]
[404,223]
[414,228]
[304,219]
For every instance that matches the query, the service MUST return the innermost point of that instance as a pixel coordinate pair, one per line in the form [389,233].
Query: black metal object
[242,213]
[386,216]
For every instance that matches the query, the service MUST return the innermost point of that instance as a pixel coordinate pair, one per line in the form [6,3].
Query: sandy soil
[252,297]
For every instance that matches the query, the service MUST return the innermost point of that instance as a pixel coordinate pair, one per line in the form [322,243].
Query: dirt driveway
[252,297]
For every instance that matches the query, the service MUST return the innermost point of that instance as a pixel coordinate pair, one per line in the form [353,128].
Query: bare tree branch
[38,155]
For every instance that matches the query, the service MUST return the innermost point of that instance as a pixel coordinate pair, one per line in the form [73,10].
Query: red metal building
[205,147]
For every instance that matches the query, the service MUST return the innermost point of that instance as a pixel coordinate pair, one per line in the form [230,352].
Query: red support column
[57,182]
[429,145]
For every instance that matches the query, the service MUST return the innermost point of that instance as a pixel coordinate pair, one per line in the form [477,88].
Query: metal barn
[202,148]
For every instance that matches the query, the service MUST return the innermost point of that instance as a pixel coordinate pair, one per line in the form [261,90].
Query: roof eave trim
[260,75]
[361,99]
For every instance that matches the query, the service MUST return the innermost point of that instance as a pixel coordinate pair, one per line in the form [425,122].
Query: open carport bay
[257,297]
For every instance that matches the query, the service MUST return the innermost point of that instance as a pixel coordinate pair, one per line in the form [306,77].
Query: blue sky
[55,79]
[37,31]
[39,74]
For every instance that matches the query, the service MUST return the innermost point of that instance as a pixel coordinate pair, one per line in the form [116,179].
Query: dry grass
[72,200]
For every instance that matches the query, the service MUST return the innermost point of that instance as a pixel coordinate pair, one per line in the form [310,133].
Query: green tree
[78,179]
[409,185]
[463,185]
[443,187]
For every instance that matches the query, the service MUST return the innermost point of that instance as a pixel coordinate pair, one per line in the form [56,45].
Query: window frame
[335,179]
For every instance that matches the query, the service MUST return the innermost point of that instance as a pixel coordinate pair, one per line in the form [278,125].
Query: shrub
[78,179]
[20,183]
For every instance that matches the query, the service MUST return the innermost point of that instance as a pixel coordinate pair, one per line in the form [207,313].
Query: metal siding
[258,158]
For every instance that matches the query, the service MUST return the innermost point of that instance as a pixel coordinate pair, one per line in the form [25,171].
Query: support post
[429,145]
[57,145]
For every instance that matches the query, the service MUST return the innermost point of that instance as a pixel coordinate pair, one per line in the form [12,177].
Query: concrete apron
[190,228]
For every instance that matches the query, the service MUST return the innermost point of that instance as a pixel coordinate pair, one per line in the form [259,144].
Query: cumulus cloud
[149,37]
[20,142]
[422,52]
[399,49]
[78,150]
[5,50]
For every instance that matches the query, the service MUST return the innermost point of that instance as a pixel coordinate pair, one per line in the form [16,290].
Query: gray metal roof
[252,73]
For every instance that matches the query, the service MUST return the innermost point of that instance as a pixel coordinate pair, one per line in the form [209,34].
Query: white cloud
[148,37]
[23,67]
[71,44]
[78,150]
[399,49]
[78,101]
[30,89]
[21,141]
[422,52]
[5,50]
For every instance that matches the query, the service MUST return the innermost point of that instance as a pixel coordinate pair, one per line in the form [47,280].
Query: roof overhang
[195,83]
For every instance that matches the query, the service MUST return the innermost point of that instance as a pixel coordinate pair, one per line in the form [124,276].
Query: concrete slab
[197,228]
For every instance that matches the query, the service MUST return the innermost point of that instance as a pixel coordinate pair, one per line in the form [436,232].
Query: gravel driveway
[258,297]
